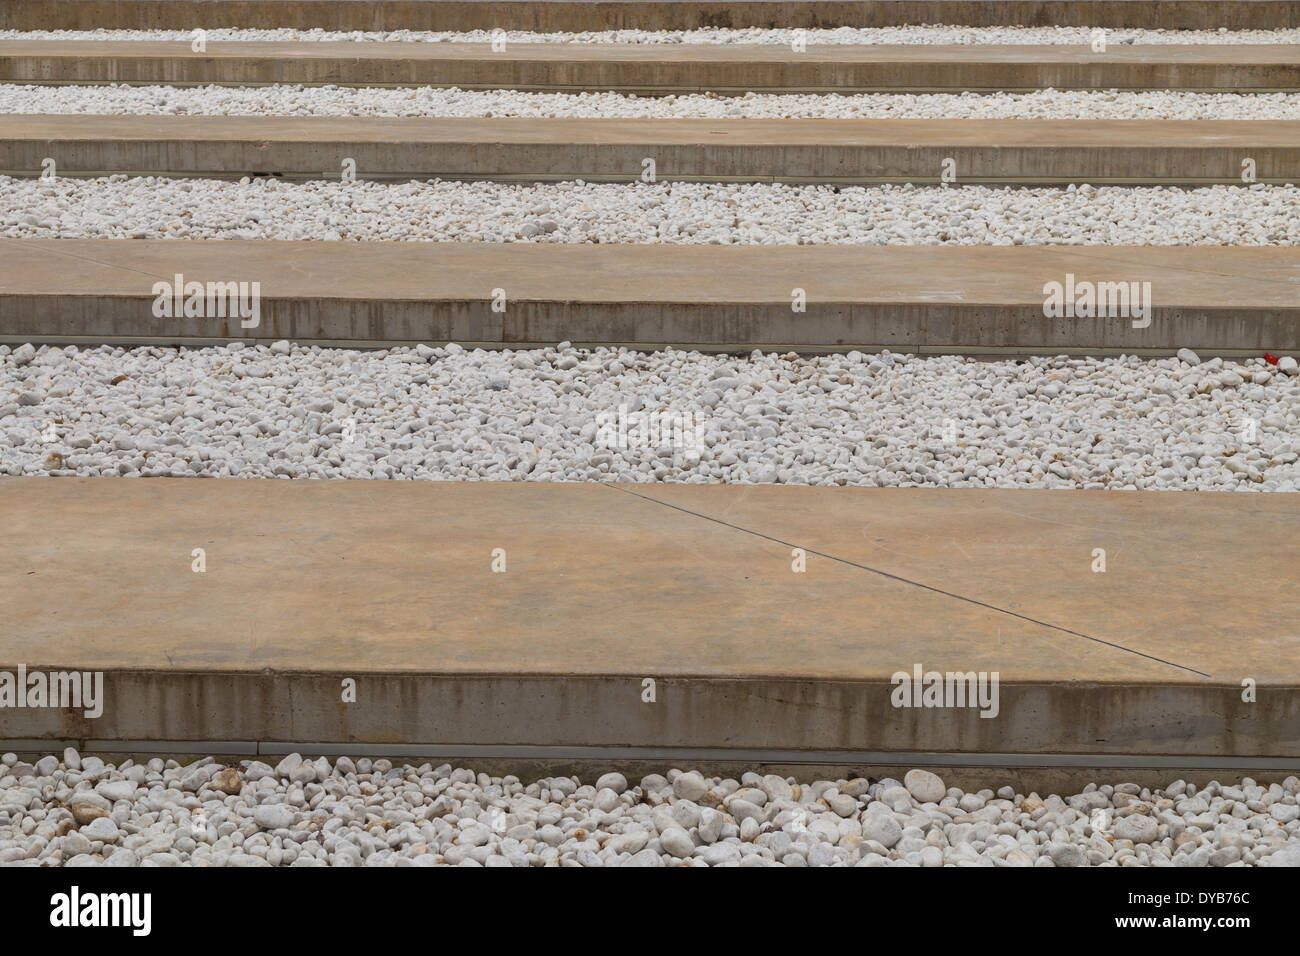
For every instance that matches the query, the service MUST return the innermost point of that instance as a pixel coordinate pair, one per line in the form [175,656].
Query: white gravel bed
[917,35]
[293,100]
[121,207]
[82,811]
[554,415]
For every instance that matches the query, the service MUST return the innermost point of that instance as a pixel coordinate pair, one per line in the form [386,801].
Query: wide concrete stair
[633,620]
[972,299]
[1170,152]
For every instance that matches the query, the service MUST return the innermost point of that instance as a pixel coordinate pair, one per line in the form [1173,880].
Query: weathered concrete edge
[1048,162]
[936,327]
[1178,718]
[723,348]
[601,756]
[577,15]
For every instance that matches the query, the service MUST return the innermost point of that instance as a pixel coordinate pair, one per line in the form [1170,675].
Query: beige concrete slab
[579,15]
[995,544]
[798,150]
[657,68]
[309,583]
[908,298]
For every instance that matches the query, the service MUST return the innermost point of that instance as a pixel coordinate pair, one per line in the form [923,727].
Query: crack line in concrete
[82,258]
[918,584]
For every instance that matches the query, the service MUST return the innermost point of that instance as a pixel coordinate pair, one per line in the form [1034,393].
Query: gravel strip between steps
[121,207]
[293,100]
[81,811]
[920,35]
[566,414]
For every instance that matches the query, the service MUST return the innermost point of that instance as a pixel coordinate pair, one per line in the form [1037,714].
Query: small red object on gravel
[1270,358]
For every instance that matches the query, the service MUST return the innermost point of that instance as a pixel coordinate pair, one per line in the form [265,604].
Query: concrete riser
[581,15]
[812,715]
[907,327]
[557,162]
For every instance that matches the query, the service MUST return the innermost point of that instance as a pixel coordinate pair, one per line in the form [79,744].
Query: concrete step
[658,68]
[583,15]
[309,585]
[973,299]
[617,150]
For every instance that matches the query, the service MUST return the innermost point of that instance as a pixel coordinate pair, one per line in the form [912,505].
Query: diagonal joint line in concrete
[916,584]
[99,262]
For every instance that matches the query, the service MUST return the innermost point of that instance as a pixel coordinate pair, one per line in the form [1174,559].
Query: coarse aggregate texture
[81,811]
[920,35]
[296,100]
[567,414]
[122,207]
